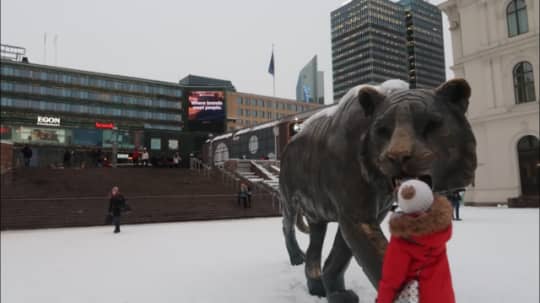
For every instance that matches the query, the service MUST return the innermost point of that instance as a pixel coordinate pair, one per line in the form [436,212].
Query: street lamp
[276,134]
[211,152]
[114,146]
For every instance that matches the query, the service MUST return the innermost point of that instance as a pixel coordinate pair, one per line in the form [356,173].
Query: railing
[263,171]
[200,166]
[258,166]
[275,168]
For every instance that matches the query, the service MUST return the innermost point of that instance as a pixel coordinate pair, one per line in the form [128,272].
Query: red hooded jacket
[417,250]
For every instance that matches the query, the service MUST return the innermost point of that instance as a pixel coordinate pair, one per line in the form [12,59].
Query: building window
[524,82]
[239,100]
[155,143]
[516,17]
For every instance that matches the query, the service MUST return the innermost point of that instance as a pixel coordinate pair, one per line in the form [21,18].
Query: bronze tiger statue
[343,166]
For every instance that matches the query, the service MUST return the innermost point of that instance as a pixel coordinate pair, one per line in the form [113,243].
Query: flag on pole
[271,66]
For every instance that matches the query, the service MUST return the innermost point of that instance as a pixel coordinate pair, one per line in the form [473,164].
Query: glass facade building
[377,40]
[51,106]
[310,84]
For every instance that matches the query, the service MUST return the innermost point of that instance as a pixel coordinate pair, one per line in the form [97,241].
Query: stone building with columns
[495,47]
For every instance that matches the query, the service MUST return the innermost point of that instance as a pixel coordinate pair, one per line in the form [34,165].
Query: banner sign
[206,106]
[105,125]
[48,121]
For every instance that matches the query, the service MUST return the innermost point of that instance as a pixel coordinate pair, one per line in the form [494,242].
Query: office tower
[310,84]
[377,40]
[368,44]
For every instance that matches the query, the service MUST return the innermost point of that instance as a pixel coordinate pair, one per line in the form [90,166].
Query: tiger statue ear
[369,98]
[457,92]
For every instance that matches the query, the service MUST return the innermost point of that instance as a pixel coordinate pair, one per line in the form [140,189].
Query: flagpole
[274,74]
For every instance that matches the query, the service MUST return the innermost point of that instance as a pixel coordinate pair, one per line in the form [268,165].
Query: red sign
[105,125]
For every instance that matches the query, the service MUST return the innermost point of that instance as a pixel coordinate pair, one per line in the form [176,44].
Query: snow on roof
[224,136]
[265,125]
[261,126]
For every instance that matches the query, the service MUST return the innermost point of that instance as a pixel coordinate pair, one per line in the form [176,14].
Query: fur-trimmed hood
[436,219]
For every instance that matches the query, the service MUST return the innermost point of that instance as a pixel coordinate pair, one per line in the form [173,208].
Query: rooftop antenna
[56,49]
[44,48]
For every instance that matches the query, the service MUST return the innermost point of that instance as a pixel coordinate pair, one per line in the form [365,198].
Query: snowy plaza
[494,257]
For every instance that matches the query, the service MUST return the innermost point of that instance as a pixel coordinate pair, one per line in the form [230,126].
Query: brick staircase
[43,198]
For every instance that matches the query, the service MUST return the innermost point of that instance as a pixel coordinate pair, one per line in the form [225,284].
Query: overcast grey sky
[168,39]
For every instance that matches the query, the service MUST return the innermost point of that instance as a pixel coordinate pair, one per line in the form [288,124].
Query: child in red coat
[417,248]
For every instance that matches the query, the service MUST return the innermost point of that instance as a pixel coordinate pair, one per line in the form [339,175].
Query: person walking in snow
[455,198]
[117,203]
[417,248]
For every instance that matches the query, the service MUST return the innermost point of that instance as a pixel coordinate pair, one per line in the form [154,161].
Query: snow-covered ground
[494,257]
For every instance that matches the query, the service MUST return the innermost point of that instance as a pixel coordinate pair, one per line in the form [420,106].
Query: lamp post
[114,146]
[211,152]
[276,134]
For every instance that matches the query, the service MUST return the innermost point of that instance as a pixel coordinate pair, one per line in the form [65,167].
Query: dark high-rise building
[425,46]
[377,40]
[310,84]
[368,44]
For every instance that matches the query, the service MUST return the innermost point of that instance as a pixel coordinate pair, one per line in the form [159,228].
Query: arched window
[516,17]
[524,82]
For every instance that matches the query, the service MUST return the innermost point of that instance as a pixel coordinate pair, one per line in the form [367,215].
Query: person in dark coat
[249,196]
[135,157]
[117,203]
[455,198]
[243,195]
[99,158]
[27,155]
[67,158]
[417,248]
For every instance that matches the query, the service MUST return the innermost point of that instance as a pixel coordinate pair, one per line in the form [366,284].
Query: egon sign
[48,121]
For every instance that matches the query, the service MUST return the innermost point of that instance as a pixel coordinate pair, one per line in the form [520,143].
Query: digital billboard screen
[206,106]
